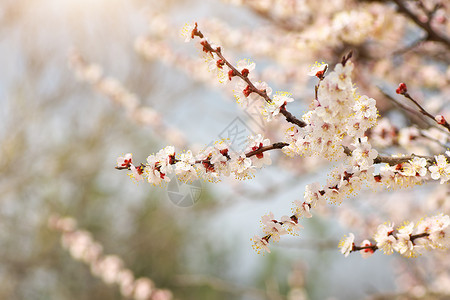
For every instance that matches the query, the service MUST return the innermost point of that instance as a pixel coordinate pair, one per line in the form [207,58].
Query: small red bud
[247,91]
[440,119]
[231,74]
[220,63]
[319,74]
[140,170]
[245,72]
[206,46]
[195,32]
[402,89]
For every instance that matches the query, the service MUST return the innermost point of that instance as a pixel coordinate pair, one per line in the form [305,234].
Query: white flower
[302,209]
[166,159]
[241,165]
[384,134]
[384,238]
[355,127]
[245,64]
[365,108]
[206,169]
[416,167]
[441,170]
[246,98]
[260,244]
[217,67]
[318,69]
[184,167]
[186,32]
[438,229]
[364,155]
[153,171]
[404,245]
[262,86]
[136,173]
[291,150]
[255,143]
[291,223]
[274,229]
[266,219]
[346,244]
[185,162]
[313,194]
[341,77]
[272,109]
[125,161]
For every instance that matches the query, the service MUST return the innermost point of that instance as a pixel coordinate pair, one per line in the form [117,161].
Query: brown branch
[375,248]
[402,106]
[424,112]
[278,145]
[392,161]
[267,148]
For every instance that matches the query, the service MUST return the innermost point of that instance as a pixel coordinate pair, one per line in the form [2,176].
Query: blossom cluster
[208,164]
[274,230]
[109,268]
[338,113]
[409,240]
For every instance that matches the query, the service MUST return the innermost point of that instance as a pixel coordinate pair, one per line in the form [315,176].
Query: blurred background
[84,82]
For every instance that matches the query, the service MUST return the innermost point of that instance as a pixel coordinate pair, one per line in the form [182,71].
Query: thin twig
[252,89]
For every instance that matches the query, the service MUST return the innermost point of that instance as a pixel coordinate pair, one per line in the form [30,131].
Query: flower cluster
[348,179]
[408,240]
[274,230]
[126,162]
[338,113]
[110,268]
[415,170]
[208,164]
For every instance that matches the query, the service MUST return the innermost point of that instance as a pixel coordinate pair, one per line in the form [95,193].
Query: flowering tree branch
[334,128]
[430,233]
[403,90]
[208,48]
